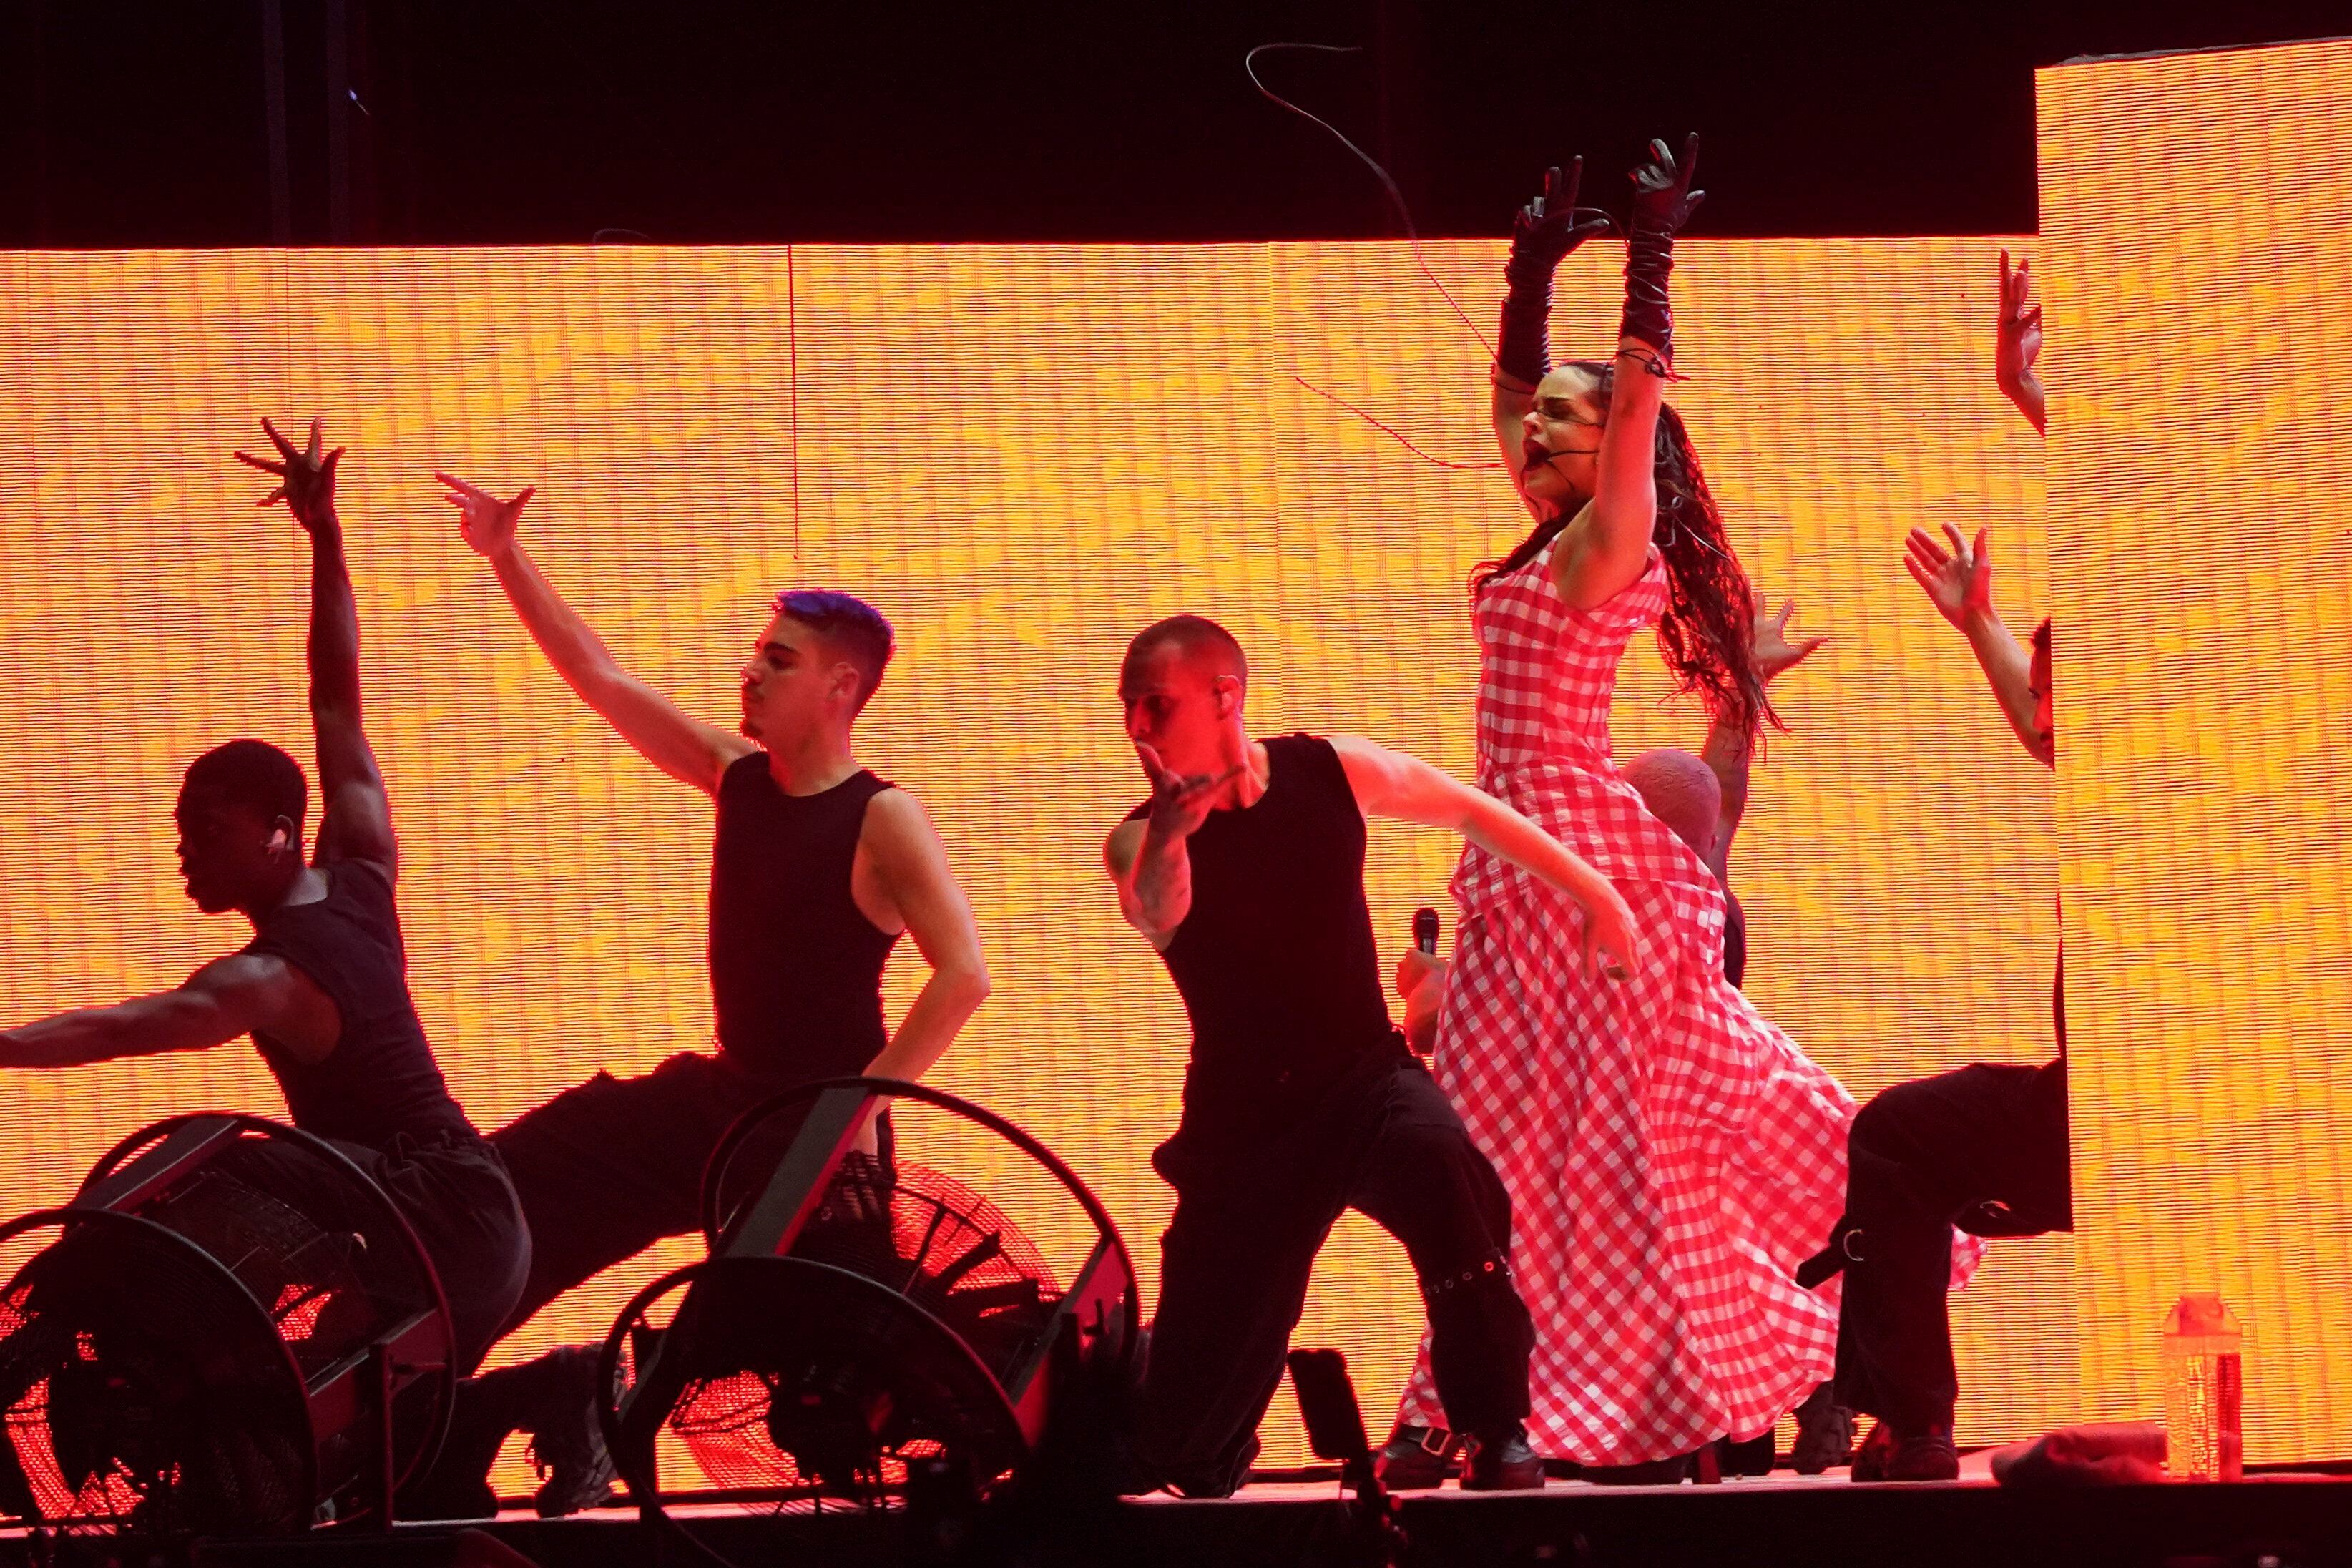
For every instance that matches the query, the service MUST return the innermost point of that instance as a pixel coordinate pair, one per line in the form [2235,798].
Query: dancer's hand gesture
[1773,650]
[1957,581]
[1662,199]
[2018,350]
[1180,801]
[1608,935]
[1545,230]
[306,479]
[488,522]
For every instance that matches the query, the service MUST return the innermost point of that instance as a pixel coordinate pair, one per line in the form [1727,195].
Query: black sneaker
[1924,1457]
[1824,1433]
[567,1441]
[1416,1458]
[1503,1462]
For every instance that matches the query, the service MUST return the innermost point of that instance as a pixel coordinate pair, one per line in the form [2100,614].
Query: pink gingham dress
[1671,1156]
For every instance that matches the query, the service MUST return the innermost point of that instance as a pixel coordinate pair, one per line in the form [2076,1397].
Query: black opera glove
[1663,203]
[1542,235]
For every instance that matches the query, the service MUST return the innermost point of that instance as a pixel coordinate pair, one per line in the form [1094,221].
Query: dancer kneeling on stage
[1246,870]
[322,987]
[817,868]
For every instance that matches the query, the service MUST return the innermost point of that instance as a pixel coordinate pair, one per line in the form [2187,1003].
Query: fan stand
[361,1386]
[1094,1315]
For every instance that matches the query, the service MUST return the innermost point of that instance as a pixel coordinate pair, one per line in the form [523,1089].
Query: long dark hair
[1708,633]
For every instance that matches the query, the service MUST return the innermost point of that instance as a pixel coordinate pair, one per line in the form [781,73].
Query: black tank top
[1275,962]
[381,1079]
[795,966]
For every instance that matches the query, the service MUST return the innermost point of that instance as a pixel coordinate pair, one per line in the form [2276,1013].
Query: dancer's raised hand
[1663,198]
[487,524]
[2017,351]
[305,476]
[1547,228]
[1957,581]
[1773,650]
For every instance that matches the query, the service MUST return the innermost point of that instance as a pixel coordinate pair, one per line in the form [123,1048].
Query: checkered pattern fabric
[1670,1155]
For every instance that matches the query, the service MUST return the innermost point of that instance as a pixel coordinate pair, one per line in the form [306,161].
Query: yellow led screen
[2200,264]
[1021,454]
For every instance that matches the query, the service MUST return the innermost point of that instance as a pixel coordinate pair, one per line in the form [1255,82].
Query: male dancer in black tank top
[321,987]
[1246,870]
[818,868]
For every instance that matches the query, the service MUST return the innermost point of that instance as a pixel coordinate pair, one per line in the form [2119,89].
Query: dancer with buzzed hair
[1246,870]
[818,868]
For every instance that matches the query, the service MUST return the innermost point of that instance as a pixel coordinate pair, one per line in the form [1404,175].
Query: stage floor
[2289,1519]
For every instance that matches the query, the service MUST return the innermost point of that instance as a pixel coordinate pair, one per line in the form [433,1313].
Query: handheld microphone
[1424,930]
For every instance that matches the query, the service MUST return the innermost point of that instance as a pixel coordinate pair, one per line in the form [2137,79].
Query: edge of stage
[2292,1518]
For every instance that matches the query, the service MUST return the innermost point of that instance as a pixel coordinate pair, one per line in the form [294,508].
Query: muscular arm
[1154,876]
[356,822]
[1602,552]
[1729,750]
[2008,668]
[1391,783]
[664,733]
[226,998]
[912,866]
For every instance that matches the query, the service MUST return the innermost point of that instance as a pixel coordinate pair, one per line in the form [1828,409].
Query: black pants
[606,1169]
[454,1191]
[1985,1148]
[1238,1252]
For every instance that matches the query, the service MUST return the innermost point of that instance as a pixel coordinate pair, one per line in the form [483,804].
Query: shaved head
[1197,640]
[1681,791]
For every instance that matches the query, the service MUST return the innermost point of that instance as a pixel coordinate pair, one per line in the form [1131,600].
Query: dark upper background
[491,120]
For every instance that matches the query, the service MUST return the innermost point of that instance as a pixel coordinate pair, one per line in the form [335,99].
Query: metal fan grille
[139,1390]
[943,1246]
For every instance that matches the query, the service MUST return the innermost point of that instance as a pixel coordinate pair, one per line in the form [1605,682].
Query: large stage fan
[863,1313]
[230,1327]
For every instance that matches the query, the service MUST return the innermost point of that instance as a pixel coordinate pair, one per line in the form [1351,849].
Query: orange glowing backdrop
[1021,454]
[2200,256]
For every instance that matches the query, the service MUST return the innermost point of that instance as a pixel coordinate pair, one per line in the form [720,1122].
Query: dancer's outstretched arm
[664,733]
[355,822]
[1391,783]
[1729,749]
[1605,550]
[1956,577]
[1543,233]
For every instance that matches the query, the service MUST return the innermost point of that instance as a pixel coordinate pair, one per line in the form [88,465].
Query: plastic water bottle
[2203,1391]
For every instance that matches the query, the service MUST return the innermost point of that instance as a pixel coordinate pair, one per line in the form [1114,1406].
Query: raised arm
[1957,581]
[226,998]
[355,818]
[1602,552]
[664,733]
[911,865]
[1545,231]
[1391,783]
[1729,747]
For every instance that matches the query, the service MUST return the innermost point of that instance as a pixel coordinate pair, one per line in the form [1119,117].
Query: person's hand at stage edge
[1179,803]
[1546,230]
[1773,652]
[2017,353]
[1663,198]
[487,524]
[1957,581]
[305,476]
